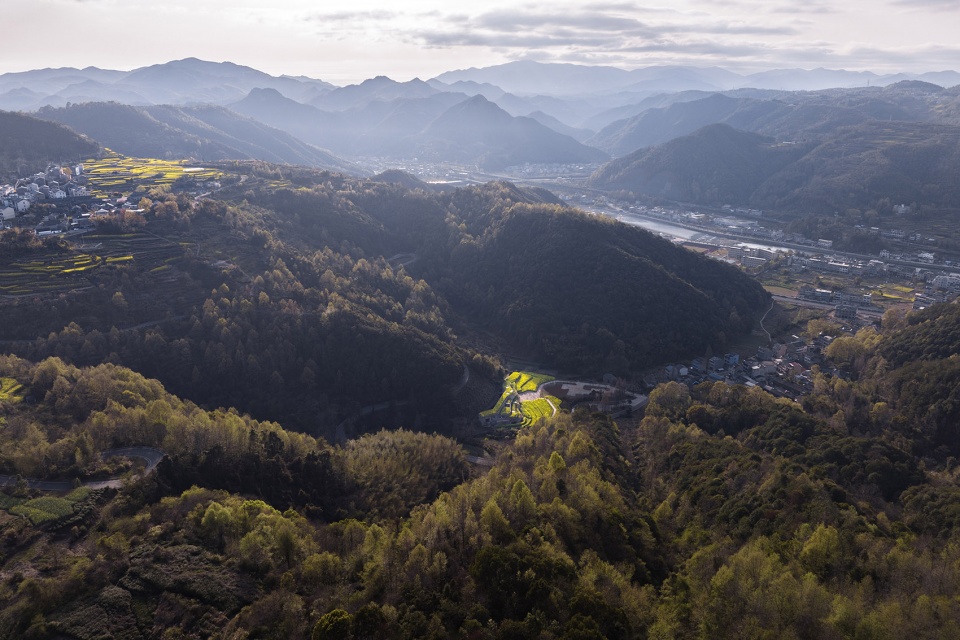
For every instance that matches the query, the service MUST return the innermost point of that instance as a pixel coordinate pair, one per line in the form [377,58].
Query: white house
[8,213]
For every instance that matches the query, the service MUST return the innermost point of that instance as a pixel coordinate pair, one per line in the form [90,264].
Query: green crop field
[78,494]
[45,509]
[507,394]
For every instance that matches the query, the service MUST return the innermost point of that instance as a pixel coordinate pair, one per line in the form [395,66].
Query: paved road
[875,313]
[151,456]
[482,461]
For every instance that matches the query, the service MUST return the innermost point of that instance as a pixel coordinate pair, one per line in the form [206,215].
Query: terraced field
[115,173]
[523,381]
[536,410]
[516,404]
[56,272]
[50,273]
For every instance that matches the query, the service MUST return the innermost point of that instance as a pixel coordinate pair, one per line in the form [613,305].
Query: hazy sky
[359,39]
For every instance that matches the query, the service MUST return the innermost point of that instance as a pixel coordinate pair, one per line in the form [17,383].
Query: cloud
[607,27]
[927,5]
[354,17]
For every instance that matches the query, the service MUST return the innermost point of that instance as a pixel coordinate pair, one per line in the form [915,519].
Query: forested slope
[907,383]
[723,513]
[853,167]
[27,144]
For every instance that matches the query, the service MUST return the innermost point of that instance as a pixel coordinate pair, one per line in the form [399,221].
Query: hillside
[478,131]
[590,296]
[858,167]
[717,164]
[27,144]
[305,122]
[387,120]
[784,115]
[205,133]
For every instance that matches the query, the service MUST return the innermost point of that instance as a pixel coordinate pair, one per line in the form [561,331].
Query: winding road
[149,455]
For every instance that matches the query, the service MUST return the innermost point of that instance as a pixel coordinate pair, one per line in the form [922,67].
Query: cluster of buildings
[782,369]
[70,208]
[56,184]
[846,305]
[939,288]
[835,264]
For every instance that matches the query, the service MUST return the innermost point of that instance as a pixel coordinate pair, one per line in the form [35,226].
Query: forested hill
[27,144]
[590,295]
[307,296]
[855,167]
[906,382]
[715,165]
[578,292]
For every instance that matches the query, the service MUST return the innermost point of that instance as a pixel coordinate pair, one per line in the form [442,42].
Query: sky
[347,42]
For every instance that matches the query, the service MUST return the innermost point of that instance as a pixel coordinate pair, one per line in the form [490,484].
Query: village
[69,199]
[57,201]
[783,369]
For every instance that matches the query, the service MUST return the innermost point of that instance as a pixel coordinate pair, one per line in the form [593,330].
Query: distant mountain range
[513,114]
[565,91]
[177,82]
[533,78]
[403,121]
[784,115]
[858,166]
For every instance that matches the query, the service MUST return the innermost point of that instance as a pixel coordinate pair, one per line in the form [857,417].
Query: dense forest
[723,512]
